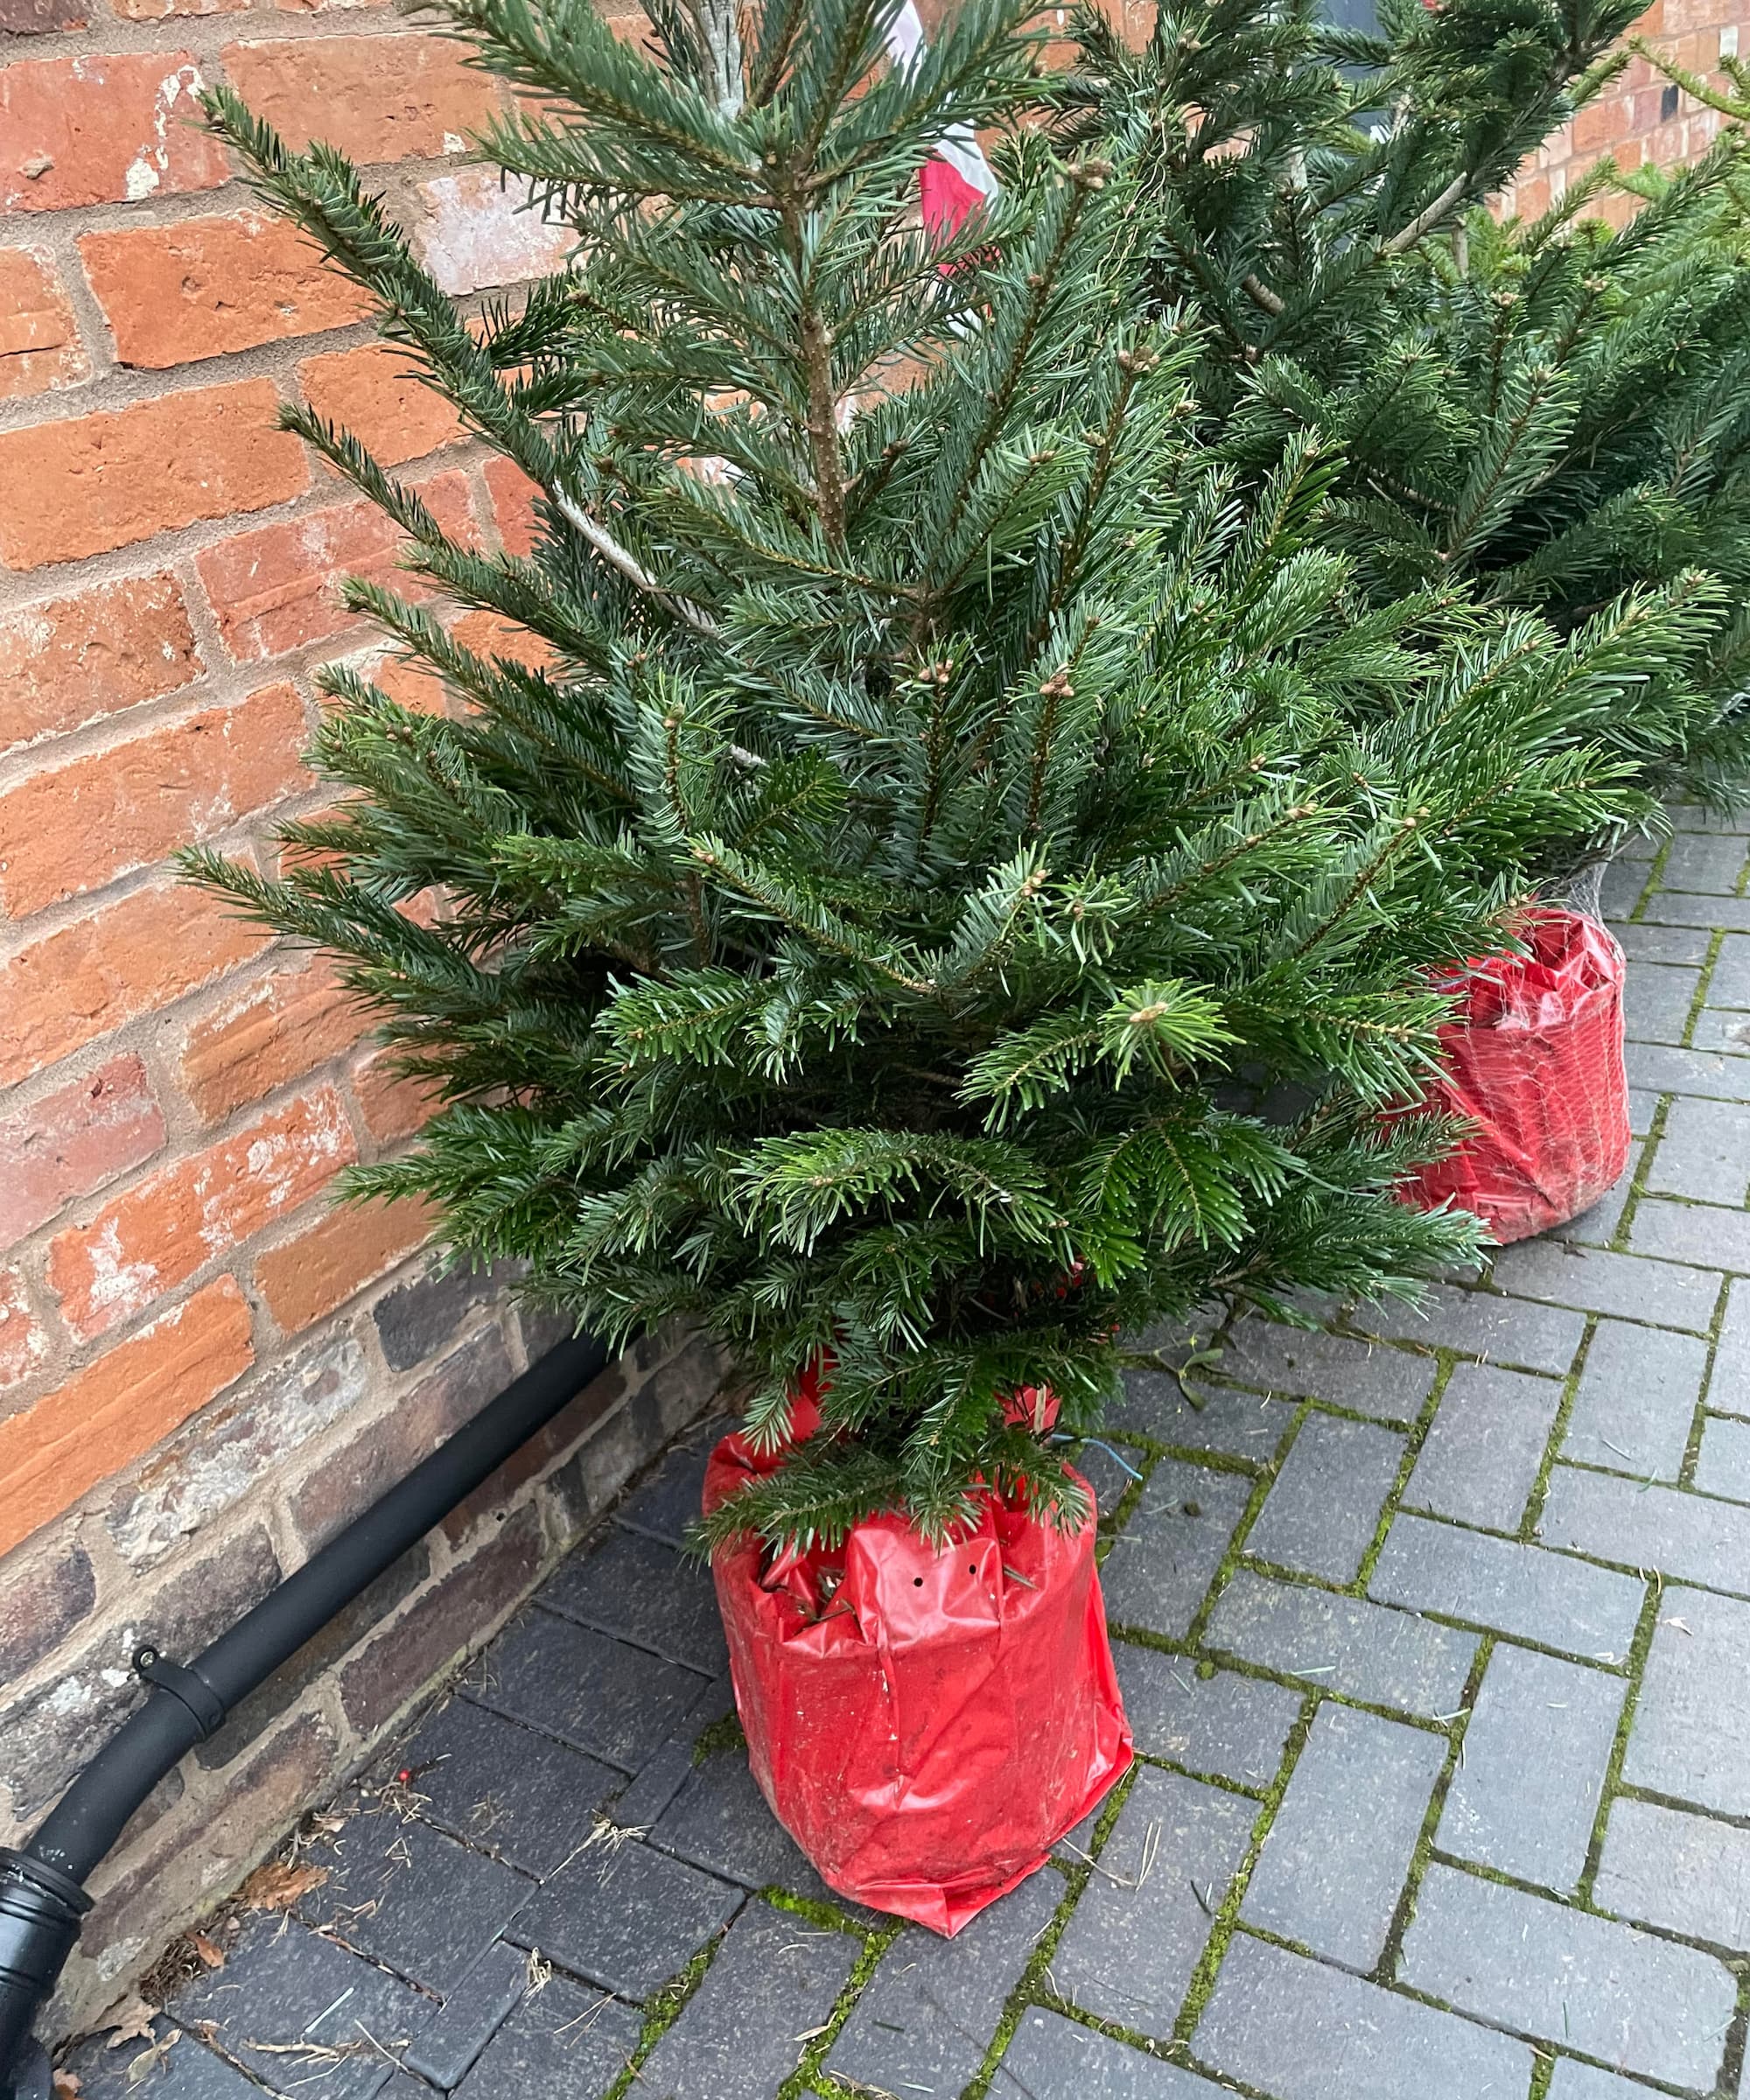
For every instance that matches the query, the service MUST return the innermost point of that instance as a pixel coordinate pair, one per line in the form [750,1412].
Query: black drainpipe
[42,1901]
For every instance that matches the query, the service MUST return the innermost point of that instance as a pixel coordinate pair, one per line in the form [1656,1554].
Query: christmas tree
[945,808]
[1543,414]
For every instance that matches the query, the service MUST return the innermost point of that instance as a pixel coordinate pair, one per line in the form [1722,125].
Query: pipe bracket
[187,1685]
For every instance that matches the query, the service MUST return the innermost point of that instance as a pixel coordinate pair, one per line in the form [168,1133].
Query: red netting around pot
[925,1725]
[1536,1063]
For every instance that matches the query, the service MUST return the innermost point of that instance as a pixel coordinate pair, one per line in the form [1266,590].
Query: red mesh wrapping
[925,1725]
[1536,1063]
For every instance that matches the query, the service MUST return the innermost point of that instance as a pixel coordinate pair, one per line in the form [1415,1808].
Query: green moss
[807,2078]
[720,1737]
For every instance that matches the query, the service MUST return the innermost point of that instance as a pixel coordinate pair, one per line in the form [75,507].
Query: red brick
[106,1415]
[76,826]
[393,1107]
[202,287]
[22,1344]
[256,1039]
[82,486]
[162,10]
[374,394]
[491,635]
[75,985]
[74,660]
[376,98]
[72,1141]
[306,1279]
[39,345]
[104,129]
[513,501]
[278,588]
[41,17]
[157,1234]
[475,228]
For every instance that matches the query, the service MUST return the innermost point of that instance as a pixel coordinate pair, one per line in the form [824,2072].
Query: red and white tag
[957,178]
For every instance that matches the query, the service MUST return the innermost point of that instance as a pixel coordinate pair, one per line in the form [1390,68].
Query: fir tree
[939,804]
[1542,413]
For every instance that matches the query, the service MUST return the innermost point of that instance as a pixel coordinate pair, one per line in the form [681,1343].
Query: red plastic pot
[1536,1063]
[927,1724]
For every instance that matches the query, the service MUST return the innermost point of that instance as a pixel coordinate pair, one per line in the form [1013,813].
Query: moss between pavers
[719,1737]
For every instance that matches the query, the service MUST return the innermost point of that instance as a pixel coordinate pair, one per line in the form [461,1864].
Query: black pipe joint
[40,1912]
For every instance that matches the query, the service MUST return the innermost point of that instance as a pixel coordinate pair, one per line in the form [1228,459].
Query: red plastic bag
[1535,1062]
[925,1725]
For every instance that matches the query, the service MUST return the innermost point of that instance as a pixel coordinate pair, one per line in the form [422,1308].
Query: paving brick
[1163,1561]
[922,2022]
[1706,1234]
[1728,1386]
[1723,1466]
[616,1703]
[1702,862]
[1338,1852]
[1656,998]
[1322,1513]
[173,2066]
[1620,1284]
[1340,1644]
[562,2043]
[1485,1446]
[411,1898]
[1704,1153]
[284,1989]
[1596,1225]
[1642,1106]
[774,1982]
[1572,2081]
[1476,1323]
[719,1820]
[625,1917]
[1227,1725]
[1050,2055]
[1679,907]
[1301,2031]
[1729,985]
[502,1788]
[1559,1975]
[1514,1589]
[1536,1748]
[1659,1069]
[1688,1873]
[656,1785]
[1621,887]
[1240,1425]
[1643,943]
[1641,1526]
[641,1591]
[1132,1943]
[1636,1400]
[1692,1719]
[415,1319]
[473,2011]
[670,1499]
[1296,1362]
[1723,1029]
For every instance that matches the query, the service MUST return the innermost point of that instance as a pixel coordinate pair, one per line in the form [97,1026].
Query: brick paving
[1435,1635]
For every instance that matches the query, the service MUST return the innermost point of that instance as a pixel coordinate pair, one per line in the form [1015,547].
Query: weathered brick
[387,1449]
[1689,1873]
[277,587]
[73,659]
[1362,1651]
[264,1033]
[42,18]
[1571,2081]
[1692,1719]
[110,129]
[65,989]
[94,482]
[476,228]
[1656,998]
[1702,1233]
[1338,1852]
[1636,1400]
[472,2014]
[42,1599]
[1729,984]
[1477,1323]
[512,501]
[1227,1725]
[305,1278]
[1636,1525]
[1727,1032]
[439,1625]
[376,98]
[105,1416]
[1481,1459]
[22,1344]
[1537,1750]
[626,1917]
[376,393]
[39,345]
[74,826]
[213,1463]
[164,1228]
[1704,1153]
[71,1141]
[1321,1514]
[640,1589]
[1163,1561]
[566,2043]
[393,1106]
[1728,1385]
[1562,1976]
[203,287]
[1309,2031]
[415,1318]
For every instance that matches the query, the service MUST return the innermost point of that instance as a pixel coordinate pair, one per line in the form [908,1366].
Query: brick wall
[204,1369]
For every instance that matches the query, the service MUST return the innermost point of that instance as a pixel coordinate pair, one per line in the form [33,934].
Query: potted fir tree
[931,796]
